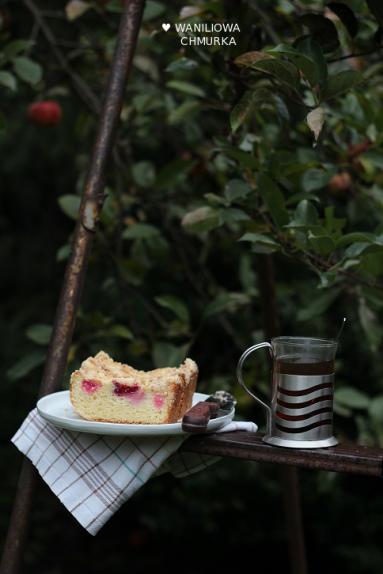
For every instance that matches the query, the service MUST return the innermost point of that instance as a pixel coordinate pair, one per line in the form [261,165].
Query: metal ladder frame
[344,458]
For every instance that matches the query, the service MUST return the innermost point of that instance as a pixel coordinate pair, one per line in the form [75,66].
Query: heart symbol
[166,27]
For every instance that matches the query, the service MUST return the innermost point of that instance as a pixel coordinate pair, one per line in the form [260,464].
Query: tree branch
[356,55]
[318,263]
[267,24]
[313,260]
[83,90]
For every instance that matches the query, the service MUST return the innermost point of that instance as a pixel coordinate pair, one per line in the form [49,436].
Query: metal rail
[288,474]
[348,458]
[91,204]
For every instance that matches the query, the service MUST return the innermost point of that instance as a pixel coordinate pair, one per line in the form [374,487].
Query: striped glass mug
[301,410]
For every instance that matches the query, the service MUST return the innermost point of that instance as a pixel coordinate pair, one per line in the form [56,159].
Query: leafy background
[227,159]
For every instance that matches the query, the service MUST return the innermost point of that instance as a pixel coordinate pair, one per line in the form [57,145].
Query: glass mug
[301,410]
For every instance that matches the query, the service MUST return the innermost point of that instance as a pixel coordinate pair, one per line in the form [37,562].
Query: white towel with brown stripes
[93,475]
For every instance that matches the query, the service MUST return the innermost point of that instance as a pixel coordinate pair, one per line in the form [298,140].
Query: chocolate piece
[197,418]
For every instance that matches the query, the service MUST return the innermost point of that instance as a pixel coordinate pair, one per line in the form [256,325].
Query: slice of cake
[105,390]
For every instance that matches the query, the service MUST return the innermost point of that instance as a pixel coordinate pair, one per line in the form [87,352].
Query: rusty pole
[64,322]
[288,475]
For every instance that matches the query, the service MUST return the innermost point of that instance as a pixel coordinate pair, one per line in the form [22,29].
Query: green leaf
[373,297]
[174,172]
[370,325]
[167,355]
[153,10]
[223,302]
[258,238]
[114,6]
[28,70]
[342,411]
[322,30]
[244,158]
[141,231]
[342,82]
[70,205]
[242,110]
[304,62]
[201,219]
[25,365]
[15,47]
[346,16]
[174,304]
[283,71]
[322,244]
[333,225]
[146,65]
[232,214]
[145,102]
[356,249]
[318,306]
[119,331]
[220,303]
[8,80]
[376,408]
[39,333]
[308,46]
[63,252]
[260,243]
[186,88]
[236,189]
[351,397]
[182,65]
[185,110]
[355,237]
[305,215]
[274,199]
[144,173]
[376,8]
[215,200]
[314,179]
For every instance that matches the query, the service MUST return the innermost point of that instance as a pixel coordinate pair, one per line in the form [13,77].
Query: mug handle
[242,382]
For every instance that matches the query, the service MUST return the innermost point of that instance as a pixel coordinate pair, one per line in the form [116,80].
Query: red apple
[45,113]
[341,182]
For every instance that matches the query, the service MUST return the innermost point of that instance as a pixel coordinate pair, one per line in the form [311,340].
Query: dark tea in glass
[301,410]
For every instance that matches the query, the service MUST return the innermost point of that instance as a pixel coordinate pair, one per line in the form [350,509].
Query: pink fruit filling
[132,392]
[89,386]
[121,390]
[158,401]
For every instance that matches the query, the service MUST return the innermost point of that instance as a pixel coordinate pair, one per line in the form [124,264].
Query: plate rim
[110,428]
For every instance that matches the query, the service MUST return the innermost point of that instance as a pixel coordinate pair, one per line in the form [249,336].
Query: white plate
[57,409]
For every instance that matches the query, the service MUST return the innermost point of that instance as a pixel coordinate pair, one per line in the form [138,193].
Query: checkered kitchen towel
[93,475]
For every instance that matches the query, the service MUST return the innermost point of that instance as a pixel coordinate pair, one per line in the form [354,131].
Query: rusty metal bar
[91,204]
[347,458]
[288,474]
